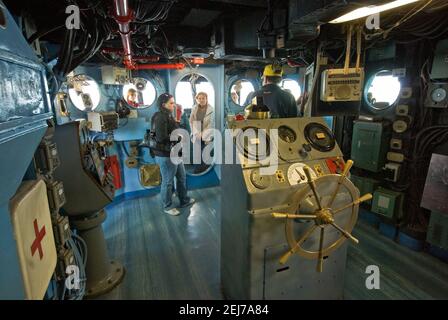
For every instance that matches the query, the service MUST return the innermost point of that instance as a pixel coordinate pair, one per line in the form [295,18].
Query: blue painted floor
[178,257]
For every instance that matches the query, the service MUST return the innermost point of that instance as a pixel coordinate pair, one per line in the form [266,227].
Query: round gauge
[296,174]
[319,136]
[258,180]
[253,143]
[438,95]
[287,134]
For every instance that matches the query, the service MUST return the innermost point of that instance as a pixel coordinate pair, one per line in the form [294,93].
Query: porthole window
[185,93]
[140,93]
[189,86]
[240,90]
[382,90]
[293,87]
[84,92]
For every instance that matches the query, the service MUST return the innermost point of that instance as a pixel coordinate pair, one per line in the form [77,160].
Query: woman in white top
[202,121]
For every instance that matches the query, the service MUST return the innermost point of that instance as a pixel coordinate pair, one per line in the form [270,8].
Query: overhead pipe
[160,66]
[123,16]
[147,58]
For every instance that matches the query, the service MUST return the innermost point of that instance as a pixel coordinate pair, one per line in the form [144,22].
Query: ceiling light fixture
[371,10]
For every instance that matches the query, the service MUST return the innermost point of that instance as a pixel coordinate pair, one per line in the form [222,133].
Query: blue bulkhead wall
[132,130]
[24,110]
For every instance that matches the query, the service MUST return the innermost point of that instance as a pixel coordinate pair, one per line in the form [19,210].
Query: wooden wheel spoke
[312,186]
[347,168]
[294,216]
[321,254]
[365,197]
[345,233]
[293,250]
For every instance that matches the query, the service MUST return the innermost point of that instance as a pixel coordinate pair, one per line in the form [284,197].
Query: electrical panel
[102,121]
[382,52]
[369,145]
[61,229]
[339,85]
[388,203]
[440,63]
[47,158]
[56,195]
[115,75]
[365,185]
[438,230]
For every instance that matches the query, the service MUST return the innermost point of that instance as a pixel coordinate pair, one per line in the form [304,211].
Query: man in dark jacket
[281,103]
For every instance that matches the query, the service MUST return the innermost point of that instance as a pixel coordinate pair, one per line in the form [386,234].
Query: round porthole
[190,90]
[140,93]
[240,90]
[2,18]
[293,87]
[189,86]
[84,92]
[382,90]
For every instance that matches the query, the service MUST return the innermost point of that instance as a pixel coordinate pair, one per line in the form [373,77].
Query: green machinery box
[388,203]
[370,143]
[438,230]
[365,185]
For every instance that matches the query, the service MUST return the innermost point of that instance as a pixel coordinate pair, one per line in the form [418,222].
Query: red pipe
[160,66]
[123,16]
[148,58]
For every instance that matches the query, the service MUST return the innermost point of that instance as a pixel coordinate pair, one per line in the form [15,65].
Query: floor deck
[170,257]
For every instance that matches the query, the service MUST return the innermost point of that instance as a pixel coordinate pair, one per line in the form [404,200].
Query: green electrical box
[388,203]
[438,230]
[370,143]
[383,52]
[365,185]
[440,62]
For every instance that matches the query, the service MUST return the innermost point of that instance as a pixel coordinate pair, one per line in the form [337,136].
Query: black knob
[307,147]
[303,153]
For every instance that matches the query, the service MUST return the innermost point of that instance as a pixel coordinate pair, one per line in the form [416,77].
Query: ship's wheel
[326,212]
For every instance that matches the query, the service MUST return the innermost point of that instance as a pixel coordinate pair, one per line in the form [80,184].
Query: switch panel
[335,165]
[56,195]
[396,144]
[47,158]
[65,259]
[61,229]
[392,171]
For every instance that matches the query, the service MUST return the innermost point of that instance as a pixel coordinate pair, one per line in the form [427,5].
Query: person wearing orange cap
[281,103]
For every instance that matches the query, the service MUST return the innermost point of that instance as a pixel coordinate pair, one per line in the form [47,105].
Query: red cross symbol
[37,245]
